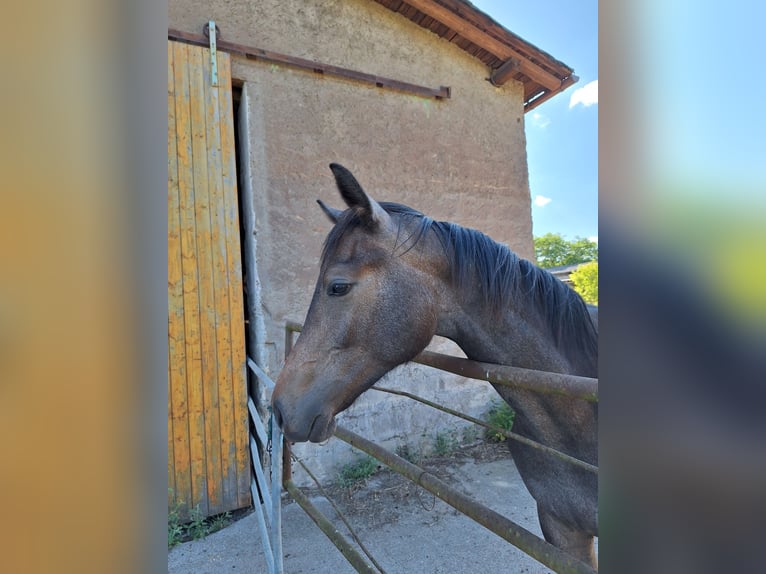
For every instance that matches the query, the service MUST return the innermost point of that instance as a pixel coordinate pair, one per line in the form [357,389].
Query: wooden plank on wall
[190,275]
[179,477]
[208,294]
[228,438]
[207,376]
[234,261]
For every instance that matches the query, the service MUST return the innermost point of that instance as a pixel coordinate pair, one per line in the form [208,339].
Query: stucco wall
[462,159]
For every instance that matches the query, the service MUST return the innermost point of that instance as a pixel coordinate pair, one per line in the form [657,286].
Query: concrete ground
[405,528]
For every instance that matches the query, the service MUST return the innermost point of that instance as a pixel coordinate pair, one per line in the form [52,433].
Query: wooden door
[208,461]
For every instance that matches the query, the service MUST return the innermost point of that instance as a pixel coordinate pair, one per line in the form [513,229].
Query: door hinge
[210,30]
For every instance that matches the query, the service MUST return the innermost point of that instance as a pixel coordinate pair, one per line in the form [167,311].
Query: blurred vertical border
[82,287]
[682,240]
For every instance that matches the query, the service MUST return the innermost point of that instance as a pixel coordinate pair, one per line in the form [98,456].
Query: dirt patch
[382,497]
[405,528]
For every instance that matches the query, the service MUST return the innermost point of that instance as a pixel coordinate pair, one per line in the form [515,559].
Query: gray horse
[390,279]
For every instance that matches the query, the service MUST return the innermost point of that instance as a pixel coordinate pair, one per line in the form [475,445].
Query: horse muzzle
[302,427]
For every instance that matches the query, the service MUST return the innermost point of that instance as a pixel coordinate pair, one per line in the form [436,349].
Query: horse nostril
[277,415]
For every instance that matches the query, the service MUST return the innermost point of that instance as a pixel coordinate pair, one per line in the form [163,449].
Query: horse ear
[354,196]
[332,213]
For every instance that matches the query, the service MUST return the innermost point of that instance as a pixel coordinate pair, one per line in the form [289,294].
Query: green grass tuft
[500,415]
[357,471]
[198,526]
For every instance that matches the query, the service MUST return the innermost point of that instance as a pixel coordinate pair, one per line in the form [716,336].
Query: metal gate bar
[341,543]
[571,386]
[270,520]
[520,537]
[506,433]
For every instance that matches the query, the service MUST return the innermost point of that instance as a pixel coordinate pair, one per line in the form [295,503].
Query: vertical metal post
[287,461]
[276,494]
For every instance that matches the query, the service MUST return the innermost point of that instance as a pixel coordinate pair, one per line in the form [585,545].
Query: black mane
[502,275]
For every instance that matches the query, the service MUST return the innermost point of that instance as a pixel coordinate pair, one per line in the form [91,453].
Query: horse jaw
[321,429]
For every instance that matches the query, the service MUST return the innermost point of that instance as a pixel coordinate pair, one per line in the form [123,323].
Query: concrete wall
[462,159]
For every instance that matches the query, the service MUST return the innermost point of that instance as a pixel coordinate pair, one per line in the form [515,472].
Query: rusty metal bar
[287,464]
[290,328]
[443,92]
[541,381]
[287,460]
[509,434]
[340,541]
[584,388]
[508,530]
[341,516]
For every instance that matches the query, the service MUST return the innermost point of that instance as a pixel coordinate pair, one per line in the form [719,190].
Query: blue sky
[562,141]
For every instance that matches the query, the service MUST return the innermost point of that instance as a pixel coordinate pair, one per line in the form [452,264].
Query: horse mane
[502,275]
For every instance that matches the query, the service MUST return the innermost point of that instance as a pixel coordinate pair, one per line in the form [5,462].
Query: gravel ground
[406,529]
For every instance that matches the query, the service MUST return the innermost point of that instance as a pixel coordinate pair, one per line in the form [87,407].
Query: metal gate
[576,387]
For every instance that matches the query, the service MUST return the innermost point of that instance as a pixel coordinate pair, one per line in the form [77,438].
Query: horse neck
[513,336]
[516,334]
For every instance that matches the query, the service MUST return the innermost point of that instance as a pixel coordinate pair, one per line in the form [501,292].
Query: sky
[562,133]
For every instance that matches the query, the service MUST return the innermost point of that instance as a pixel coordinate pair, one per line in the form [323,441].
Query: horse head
[373,308]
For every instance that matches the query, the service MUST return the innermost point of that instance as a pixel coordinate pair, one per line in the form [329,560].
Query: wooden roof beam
[483,40]
[501,74]
[549,94]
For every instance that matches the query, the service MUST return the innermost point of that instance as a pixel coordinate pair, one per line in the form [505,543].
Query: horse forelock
[502,276]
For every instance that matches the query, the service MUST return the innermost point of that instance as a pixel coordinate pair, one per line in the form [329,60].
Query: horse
[390,279]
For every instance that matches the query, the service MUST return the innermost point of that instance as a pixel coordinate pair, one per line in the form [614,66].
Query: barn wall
[462,159]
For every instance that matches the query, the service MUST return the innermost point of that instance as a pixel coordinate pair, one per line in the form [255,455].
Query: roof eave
[508,56]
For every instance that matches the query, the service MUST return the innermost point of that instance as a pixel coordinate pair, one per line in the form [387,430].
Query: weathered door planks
[207,396]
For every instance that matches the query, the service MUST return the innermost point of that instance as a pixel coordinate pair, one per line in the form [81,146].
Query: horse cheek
[410,323]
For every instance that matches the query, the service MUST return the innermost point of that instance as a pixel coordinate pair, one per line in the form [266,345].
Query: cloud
[593,238]
[540,121]
[587,95]
[542,201]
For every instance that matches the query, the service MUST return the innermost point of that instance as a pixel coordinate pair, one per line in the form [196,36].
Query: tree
[585,281]
[552,250]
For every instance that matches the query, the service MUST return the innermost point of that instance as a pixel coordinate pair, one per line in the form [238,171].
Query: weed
[409,454]
[499,415]
[357,471]
[219,522]
[197,527]
[175,530]
[445,444]
[470,434]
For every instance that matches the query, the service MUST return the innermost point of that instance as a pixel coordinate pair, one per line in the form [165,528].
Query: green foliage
[552,250]
[445,444]
[500,415]
[175,530]
[409,454]
[357,471]
[470,434]
[197,527]
[219,522]
[585,281]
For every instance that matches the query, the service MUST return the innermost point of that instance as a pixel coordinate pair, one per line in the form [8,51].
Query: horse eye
[338,289]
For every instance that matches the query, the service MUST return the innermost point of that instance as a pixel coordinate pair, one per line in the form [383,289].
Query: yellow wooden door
[208,461]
